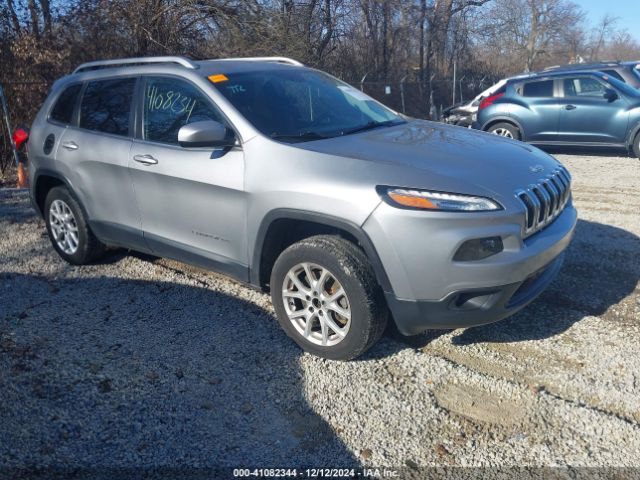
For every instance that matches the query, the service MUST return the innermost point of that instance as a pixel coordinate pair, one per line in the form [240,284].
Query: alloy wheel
[316,304]
[502,132]
[63,227]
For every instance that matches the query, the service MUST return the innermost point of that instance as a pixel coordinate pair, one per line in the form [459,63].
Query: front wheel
[636,145]
[504,129]
[327,299]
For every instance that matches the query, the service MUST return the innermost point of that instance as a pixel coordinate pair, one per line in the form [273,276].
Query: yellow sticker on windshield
[218,78]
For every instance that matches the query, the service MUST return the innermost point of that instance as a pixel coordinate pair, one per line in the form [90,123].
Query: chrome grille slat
[529,218]
[557,181]
[555,196]
[545,200]
[537,207]
[563,186]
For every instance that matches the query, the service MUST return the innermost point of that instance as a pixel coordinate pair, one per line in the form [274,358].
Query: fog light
[478,248]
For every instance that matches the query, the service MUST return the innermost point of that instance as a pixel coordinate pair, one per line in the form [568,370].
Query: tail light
[489,100]
[20,137]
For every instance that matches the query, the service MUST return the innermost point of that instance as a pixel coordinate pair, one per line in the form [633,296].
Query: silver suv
[288,179]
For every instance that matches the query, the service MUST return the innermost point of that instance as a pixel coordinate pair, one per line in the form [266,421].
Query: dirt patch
[481,405]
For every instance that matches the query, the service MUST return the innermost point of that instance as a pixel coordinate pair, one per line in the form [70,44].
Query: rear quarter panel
[39,161]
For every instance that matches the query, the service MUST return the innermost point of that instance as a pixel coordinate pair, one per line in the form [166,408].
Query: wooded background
[385,42]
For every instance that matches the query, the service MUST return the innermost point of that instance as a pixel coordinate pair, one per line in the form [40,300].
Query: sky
[627,11]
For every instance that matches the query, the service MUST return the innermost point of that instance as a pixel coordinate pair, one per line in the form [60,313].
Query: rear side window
[543,88]
[170,104]
[62,111]
[106,106]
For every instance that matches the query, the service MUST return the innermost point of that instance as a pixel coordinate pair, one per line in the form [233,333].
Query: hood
[423,154]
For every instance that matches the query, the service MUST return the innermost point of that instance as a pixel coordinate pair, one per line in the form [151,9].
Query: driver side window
[583,87]
[170,104]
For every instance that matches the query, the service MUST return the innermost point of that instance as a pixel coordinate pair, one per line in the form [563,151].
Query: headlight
[428,200]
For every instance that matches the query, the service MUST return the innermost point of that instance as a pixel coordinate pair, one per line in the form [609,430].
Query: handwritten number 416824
[171,101]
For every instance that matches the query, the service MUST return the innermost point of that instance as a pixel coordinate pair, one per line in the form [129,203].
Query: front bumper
[461,120]
[471,308]
[430,290]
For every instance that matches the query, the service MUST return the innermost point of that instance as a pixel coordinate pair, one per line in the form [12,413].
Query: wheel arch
[281,228]
[502,119]
[633,132]
[43,182]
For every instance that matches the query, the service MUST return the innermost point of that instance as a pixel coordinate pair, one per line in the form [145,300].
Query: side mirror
[207,133]
[476,103]
[610,95]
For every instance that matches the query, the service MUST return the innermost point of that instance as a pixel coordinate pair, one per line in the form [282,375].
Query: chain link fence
[424,101]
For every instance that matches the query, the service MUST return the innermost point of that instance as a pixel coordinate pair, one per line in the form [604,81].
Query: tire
[344,265]
[636,145]
[504,129]
[68,229]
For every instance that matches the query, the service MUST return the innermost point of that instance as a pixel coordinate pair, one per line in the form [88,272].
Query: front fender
[322,219]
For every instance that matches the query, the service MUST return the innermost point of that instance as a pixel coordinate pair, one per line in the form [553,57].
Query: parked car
[566,108]
[626,72]
[463,114]
[288,179]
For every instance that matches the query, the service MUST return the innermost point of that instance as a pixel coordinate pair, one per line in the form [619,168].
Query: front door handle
[145,159]
[570,107]
[70,146]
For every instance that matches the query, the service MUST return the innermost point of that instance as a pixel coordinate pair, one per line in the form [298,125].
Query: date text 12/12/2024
[316,473]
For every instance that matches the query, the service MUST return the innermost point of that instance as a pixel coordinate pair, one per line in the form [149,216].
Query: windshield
[300,105]
[621,86]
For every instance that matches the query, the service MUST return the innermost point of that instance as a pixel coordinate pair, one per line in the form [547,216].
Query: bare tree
[530,29]
[603,30]
[386,40]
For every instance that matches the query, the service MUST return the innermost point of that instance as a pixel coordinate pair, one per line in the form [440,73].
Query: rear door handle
[70,146]
[145,159]
[570,107]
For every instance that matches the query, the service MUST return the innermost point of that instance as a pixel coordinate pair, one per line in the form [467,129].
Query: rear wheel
[326,297]
[504,129]
[68,229]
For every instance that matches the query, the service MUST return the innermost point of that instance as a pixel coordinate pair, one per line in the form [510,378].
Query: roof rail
[289,61]
[582,66]
[185,62]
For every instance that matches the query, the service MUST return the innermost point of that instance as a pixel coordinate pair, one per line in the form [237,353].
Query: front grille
[544,201]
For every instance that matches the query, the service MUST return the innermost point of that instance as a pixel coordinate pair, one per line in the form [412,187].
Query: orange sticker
[218,78]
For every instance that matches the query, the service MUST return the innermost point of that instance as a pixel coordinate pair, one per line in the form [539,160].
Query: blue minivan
[565,109]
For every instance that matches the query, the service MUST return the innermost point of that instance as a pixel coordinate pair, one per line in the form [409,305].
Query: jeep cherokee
[290,180]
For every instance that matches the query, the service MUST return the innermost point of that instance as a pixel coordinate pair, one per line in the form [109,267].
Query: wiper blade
[302,136]
[371,126]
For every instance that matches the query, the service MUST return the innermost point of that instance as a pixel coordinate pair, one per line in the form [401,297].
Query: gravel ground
[143,362]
